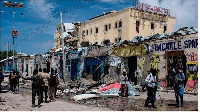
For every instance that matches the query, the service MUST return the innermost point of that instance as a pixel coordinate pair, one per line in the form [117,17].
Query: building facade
[125,25]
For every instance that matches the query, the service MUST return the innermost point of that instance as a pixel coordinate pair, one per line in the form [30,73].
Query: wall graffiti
[155,64]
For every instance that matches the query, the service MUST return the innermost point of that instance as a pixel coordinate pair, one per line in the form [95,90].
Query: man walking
[150,80]
[46,79]
[179,86]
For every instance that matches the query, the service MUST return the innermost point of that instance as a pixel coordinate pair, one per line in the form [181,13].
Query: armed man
[37,83]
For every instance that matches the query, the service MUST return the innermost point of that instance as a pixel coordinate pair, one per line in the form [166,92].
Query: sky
[40,17]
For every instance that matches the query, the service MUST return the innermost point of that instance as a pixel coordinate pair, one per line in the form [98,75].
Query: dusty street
[22,102]
[165,101]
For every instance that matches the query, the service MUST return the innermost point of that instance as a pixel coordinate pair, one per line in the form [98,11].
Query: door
[74,70]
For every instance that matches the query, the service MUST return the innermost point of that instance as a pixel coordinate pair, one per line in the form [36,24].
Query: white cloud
[185,11]
[41,8]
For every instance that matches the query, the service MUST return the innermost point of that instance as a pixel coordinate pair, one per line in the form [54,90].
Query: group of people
[44,82]
[177,81]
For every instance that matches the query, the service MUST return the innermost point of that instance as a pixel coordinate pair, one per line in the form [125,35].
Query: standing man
[46,79]
[13,81]
[42,87]
[37,83]
[53,86]
[124,87]
[150,80]
[179,86]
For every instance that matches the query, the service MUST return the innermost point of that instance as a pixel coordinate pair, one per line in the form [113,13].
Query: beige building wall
[128,17]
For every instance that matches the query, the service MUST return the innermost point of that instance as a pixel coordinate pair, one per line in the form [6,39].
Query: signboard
[176,45]
[149,8]
[193,57]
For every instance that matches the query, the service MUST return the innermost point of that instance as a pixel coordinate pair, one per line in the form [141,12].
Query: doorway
[132,65]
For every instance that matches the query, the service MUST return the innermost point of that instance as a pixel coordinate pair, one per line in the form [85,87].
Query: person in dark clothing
[150,85]
[124,87]
[53,85]
[37,83]
[1,78]
[178,86]
[13,81]
[42,88]
[170,77]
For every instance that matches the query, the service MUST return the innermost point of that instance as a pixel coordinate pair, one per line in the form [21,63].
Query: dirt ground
[165,102]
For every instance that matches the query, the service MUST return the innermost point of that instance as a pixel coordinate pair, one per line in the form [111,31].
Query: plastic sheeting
[110,86]
[131,90]
[84,96]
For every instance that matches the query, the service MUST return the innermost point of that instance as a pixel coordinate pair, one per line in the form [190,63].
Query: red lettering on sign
[193,57]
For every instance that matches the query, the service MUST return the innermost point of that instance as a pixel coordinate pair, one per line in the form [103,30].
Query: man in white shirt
[150,80]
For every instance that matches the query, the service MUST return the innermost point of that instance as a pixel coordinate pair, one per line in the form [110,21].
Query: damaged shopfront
[133,59]
[96,62]
[177,50]
[75,63]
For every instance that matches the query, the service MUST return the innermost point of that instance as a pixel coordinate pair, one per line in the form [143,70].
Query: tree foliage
[3,54]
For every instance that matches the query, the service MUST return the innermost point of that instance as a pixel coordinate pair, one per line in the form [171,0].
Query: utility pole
[7,56]
[63,51]
[14,33]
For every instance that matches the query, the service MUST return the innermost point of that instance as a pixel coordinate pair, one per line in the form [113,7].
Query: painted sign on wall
[149,8]
[155,64]
[176,45]
[193,57]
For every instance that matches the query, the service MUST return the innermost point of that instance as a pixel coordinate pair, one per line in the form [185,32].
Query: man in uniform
[37,83]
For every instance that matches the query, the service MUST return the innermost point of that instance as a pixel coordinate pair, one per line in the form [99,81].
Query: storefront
[179,51]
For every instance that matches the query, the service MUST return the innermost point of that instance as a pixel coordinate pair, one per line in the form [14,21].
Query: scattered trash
[132,90]
[84,96]
[66,91]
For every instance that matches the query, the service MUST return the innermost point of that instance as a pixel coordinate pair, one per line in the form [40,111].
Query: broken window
[106,27]
[110,26]
[165,28]
[97,30]
[116,25]
[152,25]
[137,26]
[120,39]
[115,40]
[87,32]
[120,24]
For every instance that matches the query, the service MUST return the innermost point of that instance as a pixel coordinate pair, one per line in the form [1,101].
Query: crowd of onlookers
[42,82]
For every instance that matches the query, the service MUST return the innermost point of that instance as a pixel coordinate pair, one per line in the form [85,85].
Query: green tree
[3,54]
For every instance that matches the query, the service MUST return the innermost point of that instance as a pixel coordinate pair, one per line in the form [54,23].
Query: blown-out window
[152,26]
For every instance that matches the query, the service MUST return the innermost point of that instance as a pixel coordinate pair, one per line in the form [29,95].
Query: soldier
[36,86]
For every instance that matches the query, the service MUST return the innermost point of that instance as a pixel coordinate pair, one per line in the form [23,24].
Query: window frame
[152,26]
[120,24]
